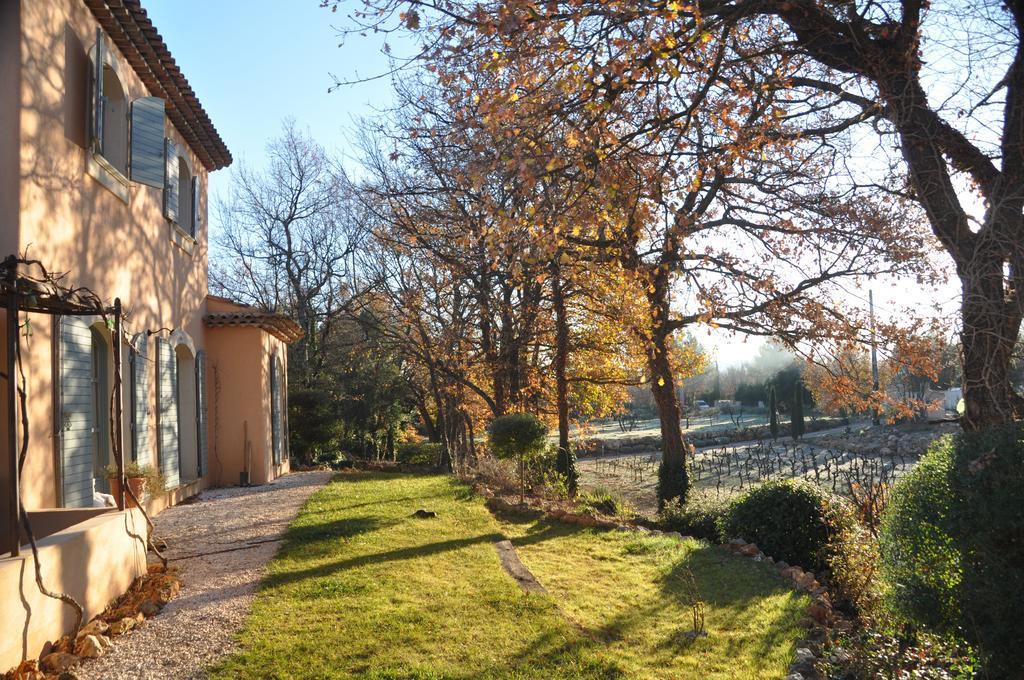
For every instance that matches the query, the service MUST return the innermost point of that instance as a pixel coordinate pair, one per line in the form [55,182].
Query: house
[105,153]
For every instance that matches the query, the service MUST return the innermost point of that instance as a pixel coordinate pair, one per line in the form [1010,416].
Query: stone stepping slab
[516,569]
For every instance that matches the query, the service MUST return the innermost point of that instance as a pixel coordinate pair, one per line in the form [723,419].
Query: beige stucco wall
[74,224]
[10,122]
[94,562]
[238,368]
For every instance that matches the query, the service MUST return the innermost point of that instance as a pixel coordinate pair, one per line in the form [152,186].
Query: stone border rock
[144,599]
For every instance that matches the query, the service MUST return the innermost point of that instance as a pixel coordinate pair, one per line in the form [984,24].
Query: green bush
[419,453]
[604,502]
[698,517]
[521,436]
[989,486]
[919,557]
[516,435]
[790,520]
[953,544]
[329,458]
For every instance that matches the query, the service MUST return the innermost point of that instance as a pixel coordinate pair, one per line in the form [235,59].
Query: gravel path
[221,543]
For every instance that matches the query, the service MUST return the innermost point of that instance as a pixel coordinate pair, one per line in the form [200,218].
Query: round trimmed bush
[920,561]
[953,544]
[989,519]
[790,520]
[517,435]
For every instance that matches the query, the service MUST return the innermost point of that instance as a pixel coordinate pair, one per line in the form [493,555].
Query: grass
[362,589]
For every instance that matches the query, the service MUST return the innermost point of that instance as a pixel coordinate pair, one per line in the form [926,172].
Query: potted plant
[139,478]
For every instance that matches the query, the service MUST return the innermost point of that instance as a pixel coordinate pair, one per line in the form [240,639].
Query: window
[181,190]
[114,112]
[114,120]
[185,198]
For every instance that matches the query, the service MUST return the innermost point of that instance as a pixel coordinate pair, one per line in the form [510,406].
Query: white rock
[89,647]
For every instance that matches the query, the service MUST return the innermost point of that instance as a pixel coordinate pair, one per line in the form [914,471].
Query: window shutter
[147,148]
[195,206]
[97,96]
[171,181]
[201,408]
[140,399]
[275,411]
[167,413]
[77,415]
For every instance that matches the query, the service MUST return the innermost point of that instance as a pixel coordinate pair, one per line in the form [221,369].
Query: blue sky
[254,63]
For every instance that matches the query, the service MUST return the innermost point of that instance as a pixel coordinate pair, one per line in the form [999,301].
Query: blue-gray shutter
[140,399]
[97,96]
[201,410]
[167,413]
[286,447]
[170,181]
[147,147]
[195,206]
[77,416]
[275,409]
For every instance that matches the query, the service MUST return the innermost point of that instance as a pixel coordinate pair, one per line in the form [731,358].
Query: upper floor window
[128,143]
[181,190]
[112,115]
[115,119]
[185,213]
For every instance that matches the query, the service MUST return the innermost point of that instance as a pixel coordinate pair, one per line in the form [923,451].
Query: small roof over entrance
[279,325]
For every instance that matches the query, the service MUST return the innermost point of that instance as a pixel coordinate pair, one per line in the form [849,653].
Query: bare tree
[287,240]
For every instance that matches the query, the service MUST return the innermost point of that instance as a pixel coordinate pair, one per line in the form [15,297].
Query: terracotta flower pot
[137,485]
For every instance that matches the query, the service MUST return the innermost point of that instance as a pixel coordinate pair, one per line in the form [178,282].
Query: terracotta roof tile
[129,27]
[278,325]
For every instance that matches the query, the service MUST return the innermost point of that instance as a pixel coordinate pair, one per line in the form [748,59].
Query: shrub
[790,520]
[882,652]
[919,557]
[314,423]
[328,458]
[990,523]
[698,517]
[854,578]
[958,520]
[520,436]
[419,453]
[604,502]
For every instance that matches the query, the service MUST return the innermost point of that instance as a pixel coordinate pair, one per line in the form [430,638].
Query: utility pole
[874,353]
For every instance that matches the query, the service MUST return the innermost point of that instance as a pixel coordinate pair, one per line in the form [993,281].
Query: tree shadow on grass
[734,591]
[398,555]
[321,538]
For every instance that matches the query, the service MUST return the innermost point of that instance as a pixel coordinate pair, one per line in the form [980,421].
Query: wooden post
[14,497]
[118,406]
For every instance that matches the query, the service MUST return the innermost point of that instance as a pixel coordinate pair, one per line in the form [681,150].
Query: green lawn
[362,589]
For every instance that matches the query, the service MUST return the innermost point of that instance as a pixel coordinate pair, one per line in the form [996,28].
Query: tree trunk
[564,464]
[990,330]
[673,482]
